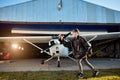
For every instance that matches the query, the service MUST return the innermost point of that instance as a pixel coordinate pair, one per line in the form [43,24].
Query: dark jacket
[78,45]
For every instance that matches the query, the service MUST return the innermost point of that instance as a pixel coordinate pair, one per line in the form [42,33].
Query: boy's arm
[85,44]
[63,41]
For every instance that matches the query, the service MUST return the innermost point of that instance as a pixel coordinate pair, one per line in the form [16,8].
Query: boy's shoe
[80,75]
[95,73]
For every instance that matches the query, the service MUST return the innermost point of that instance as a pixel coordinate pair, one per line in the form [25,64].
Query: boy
[80,48]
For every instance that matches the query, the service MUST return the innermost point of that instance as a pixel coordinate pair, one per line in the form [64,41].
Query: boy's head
[76,32]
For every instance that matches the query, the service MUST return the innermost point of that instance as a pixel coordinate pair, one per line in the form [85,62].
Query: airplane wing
[102,35]
[33,39]
[95,35]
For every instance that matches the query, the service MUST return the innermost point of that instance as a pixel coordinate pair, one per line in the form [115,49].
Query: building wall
[71,11]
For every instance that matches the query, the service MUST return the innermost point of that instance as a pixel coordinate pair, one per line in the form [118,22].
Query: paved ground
[66,64]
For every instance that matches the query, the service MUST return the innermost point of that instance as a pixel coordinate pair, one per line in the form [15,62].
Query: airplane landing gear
[58,63]
[42,62]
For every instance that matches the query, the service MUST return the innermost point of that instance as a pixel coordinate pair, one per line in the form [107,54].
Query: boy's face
[75,34]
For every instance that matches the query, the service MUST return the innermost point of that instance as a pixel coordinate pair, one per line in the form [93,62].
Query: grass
[108,74]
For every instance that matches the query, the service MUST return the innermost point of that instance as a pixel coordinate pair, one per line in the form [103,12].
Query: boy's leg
[95,72]
[89,64]
[80,74]
[80,65]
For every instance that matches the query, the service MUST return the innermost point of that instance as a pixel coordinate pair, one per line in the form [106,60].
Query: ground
[105,74]
[32,69]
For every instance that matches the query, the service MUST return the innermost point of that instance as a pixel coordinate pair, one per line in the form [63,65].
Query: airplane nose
[57,50]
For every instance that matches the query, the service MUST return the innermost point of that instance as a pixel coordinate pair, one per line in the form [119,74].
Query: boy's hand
[61,36]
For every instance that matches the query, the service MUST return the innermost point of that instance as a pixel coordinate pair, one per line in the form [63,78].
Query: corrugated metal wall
[71,11]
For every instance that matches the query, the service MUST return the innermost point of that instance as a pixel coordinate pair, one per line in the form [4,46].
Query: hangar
[62,13]
[59,11]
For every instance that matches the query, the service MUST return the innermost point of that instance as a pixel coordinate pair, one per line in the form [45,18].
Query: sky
[4,3]
[112,4]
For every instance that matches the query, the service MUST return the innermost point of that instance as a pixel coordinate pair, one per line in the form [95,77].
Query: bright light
[15,46]
[22,48]
[19,47]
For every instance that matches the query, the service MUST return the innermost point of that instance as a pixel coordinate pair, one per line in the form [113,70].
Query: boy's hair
[76,30]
